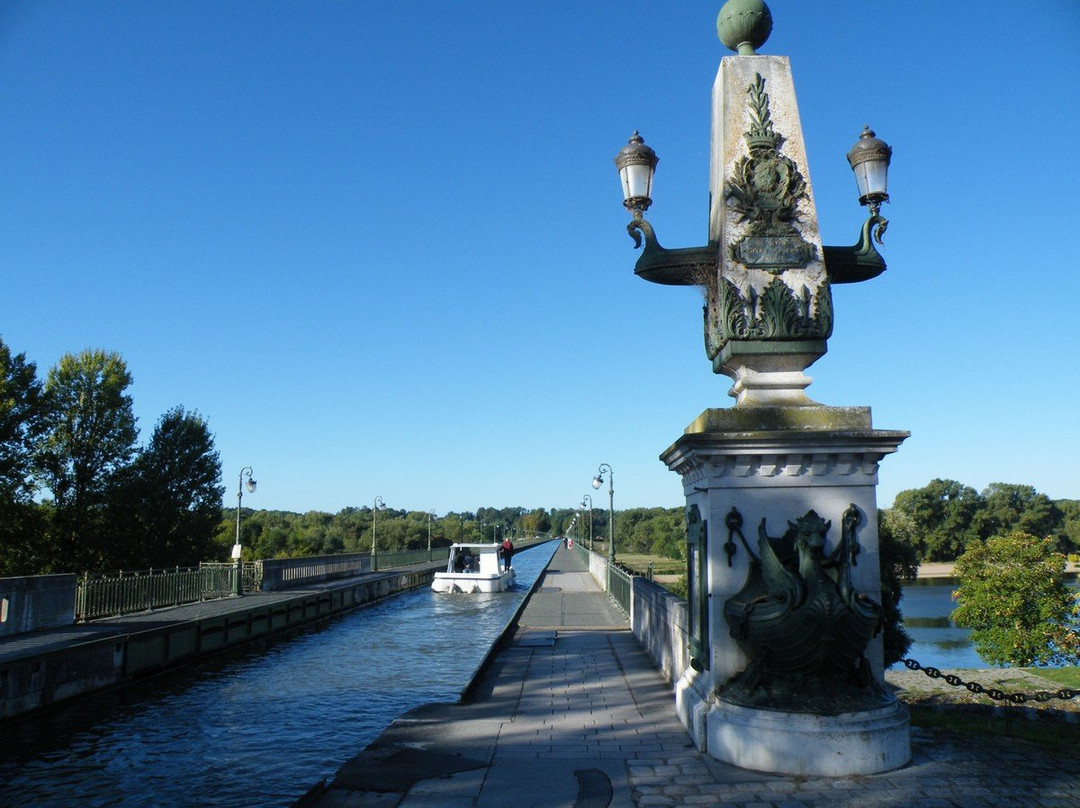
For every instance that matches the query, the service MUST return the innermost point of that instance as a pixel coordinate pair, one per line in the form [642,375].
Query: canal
[259,728]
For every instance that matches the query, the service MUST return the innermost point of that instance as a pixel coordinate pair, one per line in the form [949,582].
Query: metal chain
[998,695]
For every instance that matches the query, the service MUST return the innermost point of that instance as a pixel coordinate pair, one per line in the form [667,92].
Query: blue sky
[380,247]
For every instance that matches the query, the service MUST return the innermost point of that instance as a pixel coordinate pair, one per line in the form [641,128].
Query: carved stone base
[866,742]
[768,373]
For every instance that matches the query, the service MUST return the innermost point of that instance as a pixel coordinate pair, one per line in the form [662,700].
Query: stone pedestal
[864,742]
[775,464]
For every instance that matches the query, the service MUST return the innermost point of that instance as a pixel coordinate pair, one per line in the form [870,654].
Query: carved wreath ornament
[765,190]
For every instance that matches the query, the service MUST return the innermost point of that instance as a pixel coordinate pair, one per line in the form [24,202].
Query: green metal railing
[120,593]
[582,551]
[129,592]
[405,558]
[619,586]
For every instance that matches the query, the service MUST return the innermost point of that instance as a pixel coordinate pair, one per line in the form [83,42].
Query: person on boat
[469,561]
[459,561]
[507,553]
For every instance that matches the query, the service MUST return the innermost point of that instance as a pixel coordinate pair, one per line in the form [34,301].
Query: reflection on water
[260,727]
[937,641]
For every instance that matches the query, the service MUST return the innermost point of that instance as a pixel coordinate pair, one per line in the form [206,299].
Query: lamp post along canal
[429,515]
[598,481]
[374,513]
[785,670]
[238,550]
[587,499]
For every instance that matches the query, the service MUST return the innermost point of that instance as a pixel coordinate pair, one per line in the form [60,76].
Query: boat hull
[472,582]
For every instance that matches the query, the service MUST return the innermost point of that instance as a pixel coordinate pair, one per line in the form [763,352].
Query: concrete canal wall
[45,667]
[36,603]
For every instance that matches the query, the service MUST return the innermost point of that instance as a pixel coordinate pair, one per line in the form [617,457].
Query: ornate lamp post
[374,553]
[429,515]
[598,481]
[588,499]
[237,550]
[767,279]
[765,275]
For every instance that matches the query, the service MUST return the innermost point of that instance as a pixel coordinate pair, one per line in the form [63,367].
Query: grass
[953,710]
[1065,677]
[1013,724]
[639,563]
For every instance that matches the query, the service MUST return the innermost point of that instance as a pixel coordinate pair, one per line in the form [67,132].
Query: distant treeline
[940,520]
[277,534]
[937,522]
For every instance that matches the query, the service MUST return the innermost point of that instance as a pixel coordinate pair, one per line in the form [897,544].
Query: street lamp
[765,274]
[374,555]
[429,515]
[869,159]
[637,167]
[588,498]
[237,550]
[598,481]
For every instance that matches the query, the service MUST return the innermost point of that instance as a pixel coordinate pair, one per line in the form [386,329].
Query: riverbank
[916,689]
[947,569]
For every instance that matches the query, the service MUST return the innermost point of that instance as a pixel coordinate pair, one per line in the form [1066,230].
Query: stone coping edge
[511,624]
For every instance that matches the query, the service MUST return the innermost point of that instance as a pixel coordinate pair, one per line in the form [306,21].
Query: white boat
[474,568]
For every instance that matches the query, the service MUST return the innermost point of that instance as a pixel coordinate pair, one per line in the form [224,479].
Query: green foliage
[1007,507]
[112,505]
[655,531]
[937,519]
[899,562]
[89,436]
[679,588]
[20,428]
[1013,597]
[20,425]
[167,503]
[944,518]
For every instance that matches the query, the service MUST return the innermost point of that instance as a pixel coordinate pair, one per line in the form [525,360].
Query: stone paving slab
[592,703]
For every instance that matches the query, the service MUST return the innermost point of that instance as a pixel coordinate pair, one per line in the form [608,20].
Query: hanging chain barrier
[997,695]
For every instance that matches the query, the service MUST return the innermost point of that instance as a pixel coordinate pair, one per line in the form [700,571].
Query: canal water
[261,727]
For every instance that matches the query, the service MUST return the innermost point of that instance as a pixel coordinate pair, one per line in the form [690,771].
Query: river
[937,641]
[258,728]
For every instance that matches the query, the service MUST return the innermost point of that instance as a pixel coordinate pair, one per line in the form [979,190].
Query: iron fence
[121,593]
[405,558]
[619,586]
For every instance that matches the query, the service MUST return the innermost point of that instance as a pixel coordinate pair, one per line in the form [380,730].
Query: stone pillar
[776,464]
[769,308]
[776,456]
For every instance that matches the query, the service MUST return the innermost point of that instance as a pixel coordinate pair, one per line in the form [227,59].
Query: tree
[1008,507]
[20,427]
[1069,532]
[938,518]
[167,503]
[899,562]
[1014,598]
[89,435]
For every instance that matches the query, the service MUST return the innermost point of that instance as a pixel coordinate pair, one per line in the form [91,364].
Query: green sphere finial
[744,25]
